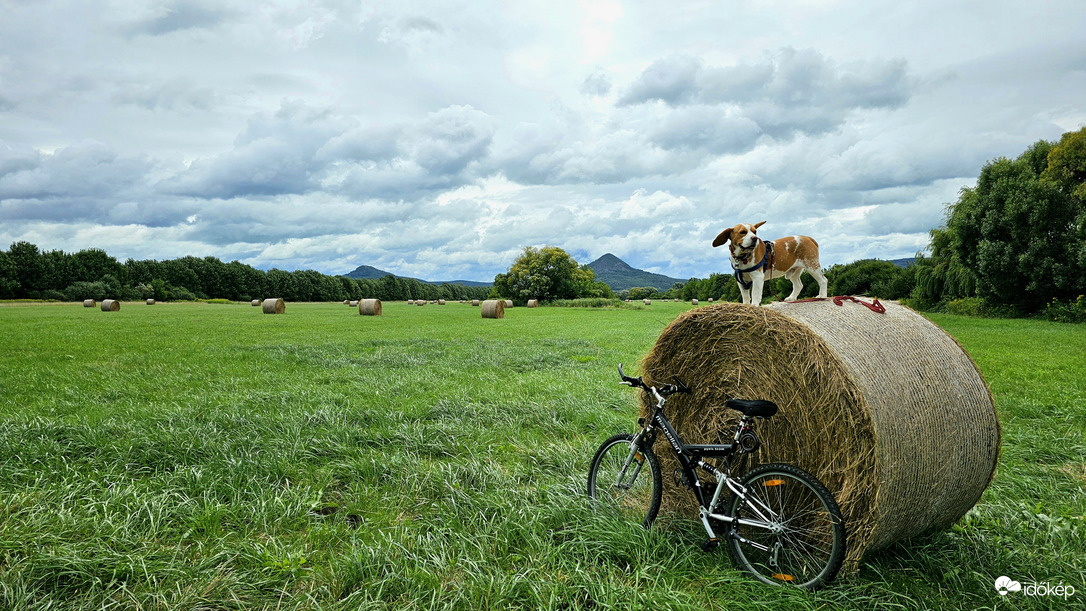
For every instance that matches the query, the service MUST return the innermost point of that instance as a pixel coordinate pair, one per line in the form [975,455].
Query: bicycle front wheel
[626,478]
[792,531]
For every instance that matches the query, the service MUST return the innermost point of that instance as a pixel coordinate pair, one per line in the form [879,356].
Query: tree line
[27,272]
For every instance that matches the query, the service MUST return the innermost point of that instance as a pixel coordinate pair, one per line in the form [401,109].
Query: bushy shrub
[588,302]
[180,293]
[979,307]
[78,291]
[1066,311]
[969,306]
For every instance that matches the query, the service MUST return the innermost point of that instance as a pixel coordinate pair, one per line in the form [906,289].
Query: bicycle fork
[635,454]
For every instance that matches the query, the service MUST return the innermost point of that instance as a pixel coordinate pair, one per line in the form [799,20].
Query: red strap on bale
[840,299]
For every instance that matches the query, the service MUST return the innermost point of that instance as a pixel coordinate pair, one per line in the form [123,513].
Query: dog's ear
[757,225]
[723,237]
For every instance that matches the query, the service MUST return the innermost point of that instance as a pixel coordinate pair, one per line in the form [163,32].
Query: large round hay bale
[89,303]
[256,302]
[440,302]
[648,302]
[886,409]
[493,308]
[369,307]
[420,302]
[274,306]
[533,303]
[693,302]
[111,305]
[508,303]
[150,302]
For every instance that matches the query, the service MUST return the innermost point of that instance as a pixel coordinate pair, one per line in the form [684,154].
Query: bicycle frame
[690,459]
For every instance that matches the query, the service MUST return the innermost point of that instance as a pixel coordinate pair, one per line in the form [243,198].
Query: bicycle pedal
[709,545]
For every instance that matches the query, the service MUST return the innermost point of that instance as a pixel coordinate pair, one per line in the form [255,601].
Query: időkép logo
[1005,586]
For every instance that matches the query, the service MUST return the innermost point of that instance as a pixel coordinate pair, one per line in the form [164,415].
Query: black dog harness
[766,262]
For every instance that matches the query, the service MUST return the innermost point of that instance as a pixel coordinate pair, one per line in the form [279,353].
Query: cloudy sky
[438,139]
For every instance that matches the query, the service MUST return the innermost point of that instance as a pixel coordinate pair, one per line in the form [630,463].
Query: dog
[755,261]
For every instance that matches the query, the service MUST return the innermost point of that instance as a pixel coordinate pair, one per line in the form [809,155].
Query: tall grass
[188,456]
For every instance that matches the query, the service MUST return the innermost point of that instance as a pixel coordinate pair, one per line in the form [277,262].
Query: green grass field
[198,456]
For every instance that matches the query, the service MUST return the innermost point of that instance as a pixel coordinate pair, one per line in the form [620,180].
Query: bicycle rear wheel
[626,478]
[795,534]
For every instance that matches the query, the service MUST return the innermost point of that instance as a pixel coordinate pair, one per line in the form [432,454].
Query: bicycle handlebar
[665,390]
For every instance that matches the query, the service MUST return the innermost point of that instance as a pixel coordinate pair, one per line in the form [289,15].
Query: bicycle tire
[636,498]
[808,547]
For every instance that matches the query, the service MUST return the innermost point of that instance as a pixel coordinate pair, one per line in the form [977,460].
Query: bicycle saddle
[756,407]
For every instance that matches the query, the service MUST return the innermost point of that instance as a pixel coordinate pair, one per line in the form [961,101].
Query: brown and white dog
[755,261]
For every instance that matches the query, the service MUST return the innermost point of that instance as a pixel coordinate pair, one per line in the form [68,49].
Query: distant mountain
[906,262]
[620,276]
[365,272]
[372,273]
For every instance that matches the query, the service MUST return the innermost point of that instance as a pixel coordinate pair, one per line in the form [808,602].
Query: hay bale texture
[493,308]
[256,302]
[887,410]
[111,305]
[369,307]
[274,306]
[89,303]
[533,303]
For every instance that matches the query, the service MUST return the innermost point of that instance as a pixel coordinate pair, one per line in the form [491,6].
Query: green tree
[29,268]
[858,277]
[9,278]
[1018,238]
[545,274]
[1066,164]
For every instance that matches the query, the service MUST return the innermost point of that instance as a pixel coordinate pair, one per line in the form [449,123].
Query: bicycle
[780,523]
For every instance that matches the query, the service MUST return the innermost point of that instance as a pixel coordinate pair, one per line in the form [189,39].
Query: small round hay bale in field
[274,305]
[420,302]
[353,303]
[493,308]
[150,302]
[533,303]
[256,302]
[508,303]
[89,303]
[886,409]
[475,302]
[410,302]
[440,302]
[693,302]
[111,305]
[369,307]
[648,302]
